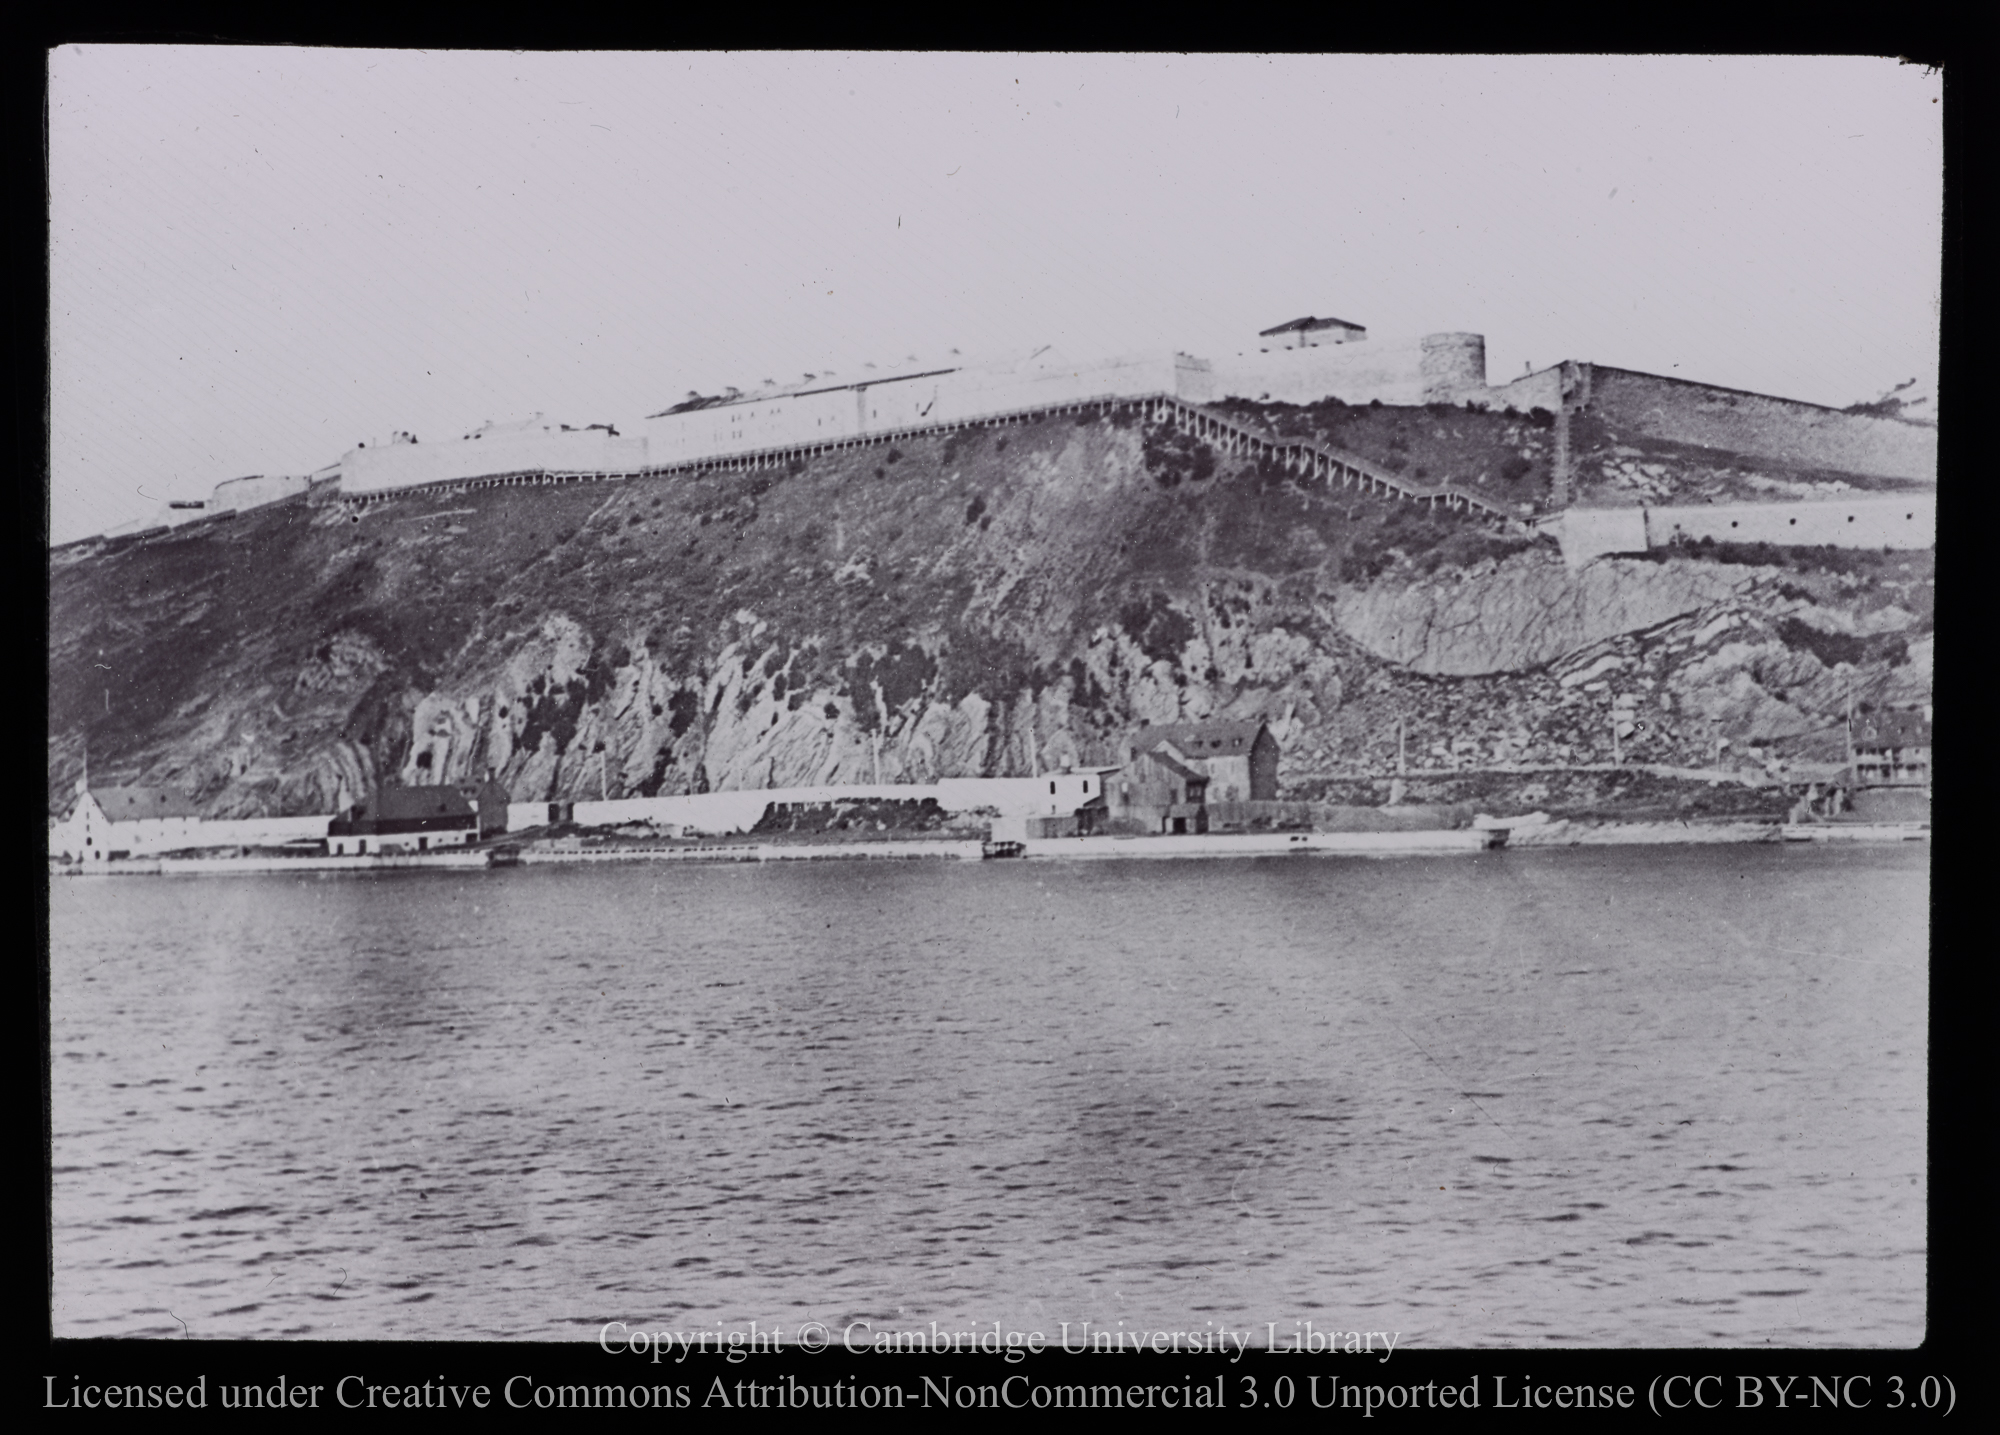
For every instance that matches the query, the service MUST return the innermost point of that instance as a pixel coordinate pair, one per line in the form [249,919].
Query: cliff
[993,602]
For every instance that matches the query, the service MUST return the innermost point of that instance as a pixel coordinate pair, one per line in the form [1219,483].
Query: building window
[1052,789]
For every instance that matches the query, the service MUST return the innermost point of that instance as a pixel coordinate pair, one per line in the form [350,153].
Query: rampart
[1785,431]
[237,494]
[775,425]
[1902,522]
[365,471]
[806,417]
[1542,389]
[1437,368]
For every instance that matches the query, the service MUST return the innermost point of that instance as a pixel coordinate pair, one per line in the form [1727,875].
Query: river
[1600,1097]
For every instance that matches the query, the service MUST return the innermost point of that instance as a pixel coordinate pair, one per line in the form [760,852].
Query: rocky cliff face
[996,602]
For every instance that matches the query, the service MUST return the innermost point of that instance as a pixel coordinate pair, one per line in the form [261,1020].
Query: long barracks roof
[131,804]
[1309,325]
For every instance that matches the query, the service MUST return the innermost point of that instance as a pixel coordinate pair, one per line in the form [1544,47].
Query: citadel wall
[1542,389]
[1900,522]
[1437,368]
[1446,367]
[407,465]
[936,398]
[1786,431]
[240,493]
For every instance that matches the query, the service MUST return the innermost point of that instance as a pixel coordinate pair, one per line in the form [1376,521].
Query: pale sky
[262,255]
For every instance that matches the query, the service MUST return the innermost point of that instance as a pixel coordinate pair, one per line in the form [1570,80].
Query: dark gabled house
[1240,759]
[1157,792]
[403,819]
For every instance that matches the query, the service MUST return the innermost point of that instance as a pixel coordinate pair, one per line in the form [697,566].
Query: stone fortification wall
[1587,533]
[240,493]
[756,424]
[1437,368]
[1758,425]
[1542,389]
[1904,522]
[408,465]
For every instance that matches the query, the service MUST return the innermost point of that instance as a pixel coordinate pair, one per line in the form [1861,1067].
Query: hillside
[993,602]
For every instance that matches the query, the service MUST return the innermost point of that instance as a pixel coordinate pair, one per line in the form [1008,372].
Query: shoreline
[1440,842]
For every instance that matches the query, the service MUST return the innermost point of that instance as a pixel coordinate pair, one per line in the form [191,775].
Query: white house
[109,822]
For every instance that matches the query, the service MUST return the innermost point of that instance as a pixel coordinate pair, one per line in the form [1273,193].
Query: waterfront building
[403,819]
[114,822]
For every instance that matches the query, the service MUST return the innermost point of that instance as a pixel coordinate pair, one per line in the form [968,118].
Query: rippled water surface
[1653,1096]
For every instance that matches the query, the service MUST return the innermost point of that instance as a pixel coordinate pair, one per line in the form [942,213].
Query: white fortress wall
[1539,390]
[869,407]
[408,465]
[753,424]
[1437,368]
[1587,533]
[241,493]
[999,390]
[1907,522]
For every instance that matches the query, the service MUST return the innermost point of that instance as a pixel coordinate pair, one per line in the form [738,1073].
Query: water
[1639,1096]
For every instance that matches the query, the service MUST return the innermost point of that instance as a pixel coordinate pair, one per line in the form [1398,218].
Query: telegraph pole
[1851,772]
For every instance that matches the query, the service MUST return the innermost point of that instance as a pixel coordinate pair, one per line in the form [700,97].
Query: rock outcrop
[996,602]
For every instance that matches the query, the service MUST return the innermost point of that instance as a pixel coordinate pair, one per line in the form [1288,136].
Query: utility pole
[1398,787]
[1851,774]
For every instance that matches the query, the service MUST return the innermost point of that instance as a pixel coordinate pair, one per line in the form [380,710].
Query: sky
[263,255]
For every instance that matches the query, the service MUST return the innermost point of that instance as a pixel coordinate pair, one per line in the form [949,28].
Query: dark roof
[400,803]
[1892,730]
[826,383]
[1178,769]
[1308,324]
[1202,739]
[690,405]
[130,804]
